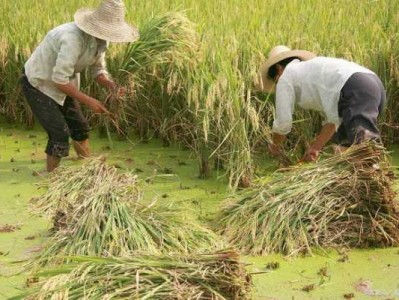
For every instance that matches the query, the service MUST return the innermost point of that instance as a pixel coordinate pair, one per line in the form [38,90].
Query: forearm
[326,133]
[106,82]
[70,90]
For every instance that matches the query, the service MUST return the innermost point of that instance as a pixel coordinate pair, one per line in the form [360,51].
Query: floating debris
[129,160]
[167,170]
[308,288]
[272,265]
[9,228]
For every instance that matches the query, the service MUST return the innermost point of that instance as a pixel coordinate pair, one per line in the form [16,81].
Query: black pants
[362,100]
[60,122]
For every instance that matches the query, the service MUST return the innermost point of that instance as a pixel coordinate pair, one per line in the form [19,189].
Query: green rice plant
[215,62]
[344,200]
[12,104]
[223,121]
[218,276]
[101,212]
[154,69]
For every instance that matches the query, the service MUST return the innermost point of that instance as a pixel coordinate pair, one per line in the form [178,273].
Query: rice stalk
[154,69]
[344,200]
[216,276]
[100,212]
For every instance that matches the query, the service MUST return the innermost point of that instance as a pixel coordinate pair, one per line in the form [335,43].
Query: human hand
[120,91]
[98,107]
[274,150]
[311,154]
[116,93]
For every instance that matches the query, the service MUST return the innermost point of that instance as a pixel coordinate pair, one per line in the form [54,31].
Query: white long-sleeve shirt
[314,84]
[64,53]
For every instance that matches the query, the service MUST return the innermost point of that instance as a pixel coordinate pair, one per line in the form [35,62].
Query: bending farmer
[349,96]
[51,75]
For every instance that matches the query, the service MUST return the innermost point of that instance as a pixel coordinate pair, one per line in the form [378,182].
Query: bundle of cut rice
[104,214]
[211,276]
[344,200]
[68,188]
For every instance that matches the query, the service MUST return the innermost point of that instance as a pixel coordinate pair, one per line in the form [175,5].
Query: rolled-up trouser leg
[49,115]
[77,123]
[362,100]
[78,127]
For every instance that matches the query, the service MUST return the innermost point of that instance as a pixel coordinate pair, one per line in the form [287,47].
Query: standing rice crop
[344,200]
[155,68]
[216,59]
[104,214]
[218,276]
[224,114]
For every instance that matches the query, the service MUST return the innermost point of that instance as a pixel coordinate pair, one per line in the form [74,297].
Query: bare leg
[82,148]
[52,162]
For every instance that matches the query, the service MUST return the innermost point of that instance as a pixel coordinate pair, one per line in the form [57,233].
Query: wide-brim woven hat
[107,22]
[276,55]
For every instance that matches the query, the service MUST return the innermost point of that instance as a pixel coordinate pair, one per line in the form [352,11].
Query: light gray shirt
[314,84]
[61,56]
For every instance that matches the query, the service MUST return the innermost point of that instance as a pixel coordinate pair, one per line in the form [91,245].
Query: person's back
[321,76]
[349,96]
[64,48]
[47,51]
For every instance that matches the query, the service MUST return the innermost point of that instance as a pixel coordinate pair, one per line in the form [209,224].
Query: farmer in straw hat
[51,75]
[349,96]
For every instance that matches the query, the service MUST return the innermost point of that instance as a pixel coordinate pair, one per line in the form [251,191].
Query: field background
[205,98]
[235,37]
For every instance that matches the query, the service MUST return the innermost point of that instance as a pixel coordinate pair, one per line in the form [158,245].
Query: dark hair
[273,69]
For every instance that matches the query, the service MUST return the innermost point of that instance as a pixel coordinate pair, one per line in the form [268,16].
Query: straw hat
[107,22]
[276,55]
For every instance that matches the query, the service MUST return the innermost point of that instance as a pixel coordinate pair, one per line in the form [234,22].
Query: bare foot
[77,158]
[42,173]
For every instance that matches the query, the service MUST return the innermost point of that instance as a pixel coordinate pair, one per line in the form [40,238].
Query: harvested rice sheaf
[69,188]
[104,215]
[210,276]
[344,200]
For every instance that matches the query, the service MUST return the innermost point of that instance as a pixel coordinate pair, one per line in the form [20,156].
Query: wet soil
[171,174]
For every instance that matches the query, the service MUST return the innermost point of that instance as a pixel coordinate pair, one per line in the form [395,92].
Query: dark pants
[60,122]
[362,100]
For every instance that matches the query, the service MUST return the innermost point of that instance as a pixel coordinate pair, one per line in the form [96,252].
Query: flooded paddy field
[171,174]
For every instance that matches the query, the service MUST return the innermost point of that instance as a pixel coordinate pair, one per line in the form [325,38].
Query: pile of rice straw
[345,200]
[211,276]
[103,214]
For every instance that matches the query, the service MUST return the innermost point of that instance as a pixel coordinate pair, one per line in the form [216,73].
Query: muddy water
[363,274]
